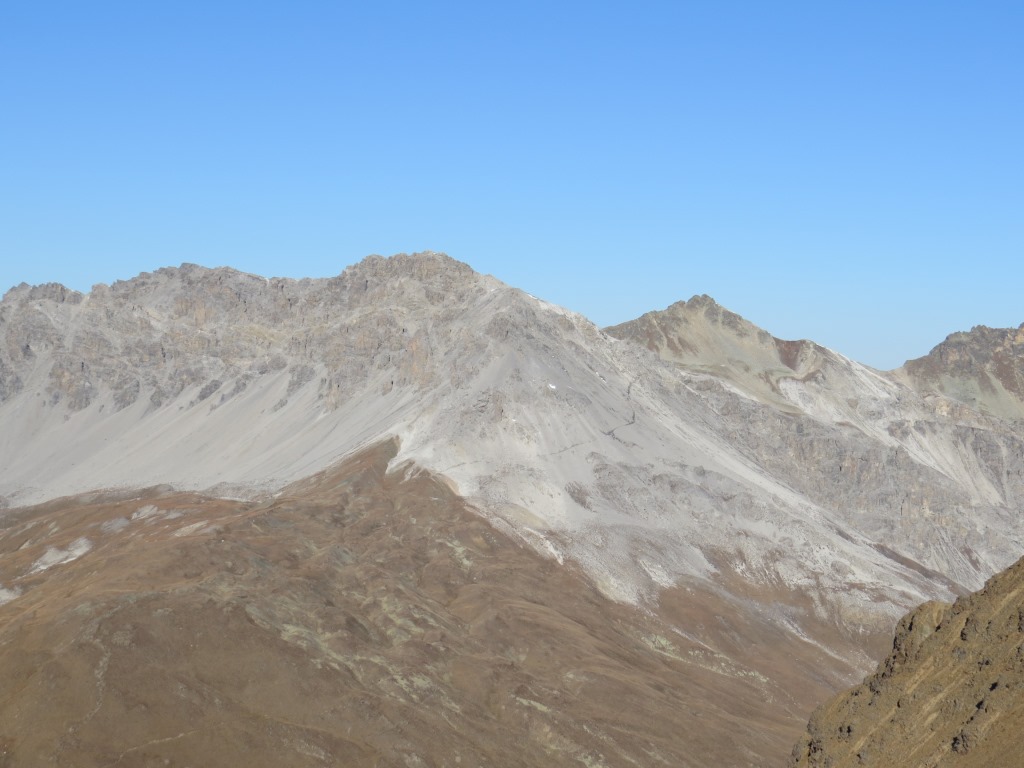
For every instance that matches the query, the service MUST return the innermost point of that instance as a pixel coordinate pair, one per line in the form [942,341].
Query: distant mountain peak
[982,368]
[702,335]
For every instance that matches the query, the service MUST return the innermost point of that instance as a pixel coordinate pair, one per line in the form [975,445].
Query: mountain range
[464,521]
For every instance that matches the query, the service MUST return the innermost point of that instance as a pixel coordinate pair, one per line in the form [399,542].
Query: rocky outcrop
[982,368]
[951,692]
[191,328]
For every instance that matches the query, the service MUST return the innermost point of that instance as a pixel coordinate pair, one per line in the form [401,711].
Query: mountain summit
[983,367]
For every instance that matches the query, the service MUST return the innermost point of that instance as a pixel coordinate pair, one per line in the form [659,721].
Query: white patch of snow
[56,556]
[188,529]
[146,512]
[115,525]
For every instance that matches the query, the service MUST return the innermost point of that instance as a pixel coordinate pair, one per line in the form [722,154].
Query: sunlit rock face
[913,470]
[752,492]
[983,368]
[951,692]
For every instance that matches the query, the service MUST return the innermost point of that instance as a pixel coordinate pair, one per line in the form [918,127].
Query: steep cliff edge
[951,692]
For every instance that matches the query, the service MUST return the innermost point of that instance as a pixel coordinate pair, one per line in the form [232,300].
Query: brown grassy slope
[360,619]
[950,693]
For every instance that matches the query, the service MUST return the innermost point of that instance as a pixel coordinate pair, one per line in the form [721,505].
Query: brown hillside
[360,619]
[950,693]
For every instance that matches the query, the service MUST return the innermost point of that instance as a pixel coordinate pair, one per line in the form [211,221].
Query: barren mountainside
[772,507]
[361,618]
[886,456]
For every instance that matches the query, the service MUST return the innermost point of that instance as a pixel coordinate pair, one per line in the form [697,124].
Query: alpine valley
[411,516]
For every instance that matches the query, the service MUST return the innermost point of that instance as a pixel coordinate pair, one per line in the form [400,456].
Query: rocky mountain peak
[425,266]
[983,368]
[46,292]
[703,336]
[158,334]
[714,312]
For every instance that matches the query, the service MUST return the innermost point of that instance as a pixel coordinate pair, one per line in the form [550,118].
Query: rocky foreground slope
[950,693]
[776,505]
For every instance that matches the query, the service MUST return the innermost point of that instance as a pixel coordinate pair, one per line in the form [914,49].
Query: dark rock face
[951,692]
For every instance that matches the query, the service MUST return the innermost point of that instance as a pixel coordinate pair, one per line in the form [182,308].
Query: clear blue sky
[850,172]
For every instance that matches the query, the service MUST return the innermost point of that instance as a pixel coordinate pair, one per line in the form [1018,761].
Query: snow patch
[115,525]
[56,556]
[146,512]
[186,530]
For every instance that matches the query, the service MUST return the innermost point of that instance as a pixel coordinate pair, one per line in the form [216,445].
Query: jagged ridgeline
[771,506]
